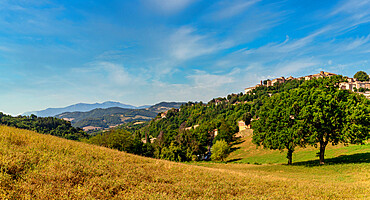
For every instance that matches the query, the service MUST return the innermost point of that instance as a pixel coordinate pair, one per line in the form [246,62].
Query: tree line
[44,125]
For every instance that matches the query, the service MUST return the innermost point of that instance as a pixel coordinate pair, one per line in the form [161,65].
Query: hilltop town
[362,87]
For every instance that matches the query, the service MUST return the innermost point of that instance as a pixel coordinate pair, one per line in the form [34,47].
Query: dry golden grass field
[35,166]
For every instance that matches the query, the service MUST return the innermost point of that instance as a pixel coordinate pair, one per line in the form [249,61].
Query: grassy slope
[247,152]
[35,166]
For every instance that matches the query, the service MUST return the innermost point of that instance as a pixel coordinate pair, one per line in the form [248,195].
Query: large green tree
[317,113]
[361,76]
[333,116]
[279,125]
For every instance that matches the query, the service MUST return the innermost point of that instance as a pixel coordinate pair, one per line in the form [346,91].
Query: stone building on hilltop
[353,83]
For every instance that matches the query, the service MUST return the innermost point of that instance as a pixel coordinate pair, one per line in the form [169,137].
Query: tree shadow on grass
[237,140]
[233,160]
[343,159]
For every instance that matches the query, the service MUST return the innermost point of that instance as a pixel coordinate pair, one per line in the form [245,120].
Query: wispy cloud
[359,9]
[290,68]
[288,45]
[169,7]
[228,9]
[186,44]
[352,44]
[202,79]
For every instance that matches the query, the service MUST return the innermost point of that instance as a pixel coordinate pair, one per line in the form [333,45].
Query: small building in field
[242,126]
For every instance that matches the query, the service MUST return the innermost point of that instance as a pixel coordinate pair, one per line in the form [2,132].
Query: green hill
[247,152]
[36,166]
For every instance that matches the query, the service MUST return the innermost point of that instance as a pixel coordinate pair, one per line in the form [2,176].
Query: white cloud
[288,45]
[169,6]
[6,49]
[227,9]
[202,79]
[289,68]
[105,74]
[358,8]
[186,44]
[353,12]
[202,86]
[356,43]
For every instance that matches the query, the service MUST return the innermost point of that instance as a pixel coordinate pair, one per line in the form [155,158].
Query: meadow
[244,151]
[36,166]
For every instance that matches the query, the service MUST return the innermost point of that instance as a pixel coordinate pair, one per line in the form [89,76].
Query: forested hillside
[109,117]
[188,133]
[45,125]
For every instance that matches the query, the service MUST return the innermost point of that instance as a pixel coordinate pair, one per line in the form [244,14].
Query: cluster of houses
[351,83]
[269,83]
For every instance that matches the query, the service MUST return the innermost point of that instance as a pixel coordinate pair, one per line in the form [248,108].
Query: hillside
[164,106]
[188,133]
[36,166]
[109,117]
[247,152]
[80,107]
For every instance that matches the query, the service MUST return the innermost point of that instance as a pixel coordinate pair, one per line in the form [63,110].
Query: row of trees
[317,113]
[44,125]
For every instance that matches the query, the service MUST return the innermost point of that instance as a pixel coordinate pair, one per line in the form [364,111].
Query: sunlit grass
[247,152]
[35,166]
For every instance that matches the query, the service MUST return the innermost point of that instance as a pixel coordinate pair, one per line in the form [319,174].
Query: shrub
[220,150]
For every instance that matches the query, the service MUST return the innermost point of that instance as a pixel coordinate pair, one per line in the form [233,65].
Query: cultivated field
[35,166]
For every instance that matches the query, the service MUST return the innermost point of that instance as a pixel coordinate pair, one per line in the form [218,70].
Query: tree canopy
[220,150]
[45,125]
[316,113]
[279,124]
[361,76]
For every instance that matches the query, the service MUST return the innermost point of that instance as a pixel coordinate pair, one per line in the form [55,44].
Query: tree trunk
[322,152]
[290,156]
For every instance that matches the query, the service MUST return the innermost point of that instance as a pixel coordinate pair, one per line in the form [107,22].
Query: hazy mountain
[80,107]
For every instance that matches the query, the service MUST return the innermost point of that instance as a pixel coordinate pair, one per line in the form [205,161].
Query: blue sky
[56,53]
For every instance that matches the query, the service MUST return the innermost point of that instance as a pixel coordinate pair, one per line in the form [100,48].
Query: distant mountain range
[101,118]
[81,107]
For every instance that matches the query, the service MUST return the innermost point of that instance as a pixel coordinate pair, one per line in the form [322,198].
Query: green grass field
[247,152]
[35,166]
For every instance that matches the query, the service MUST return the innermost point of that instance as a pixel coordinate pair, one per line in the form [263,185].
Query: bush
[220,150]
